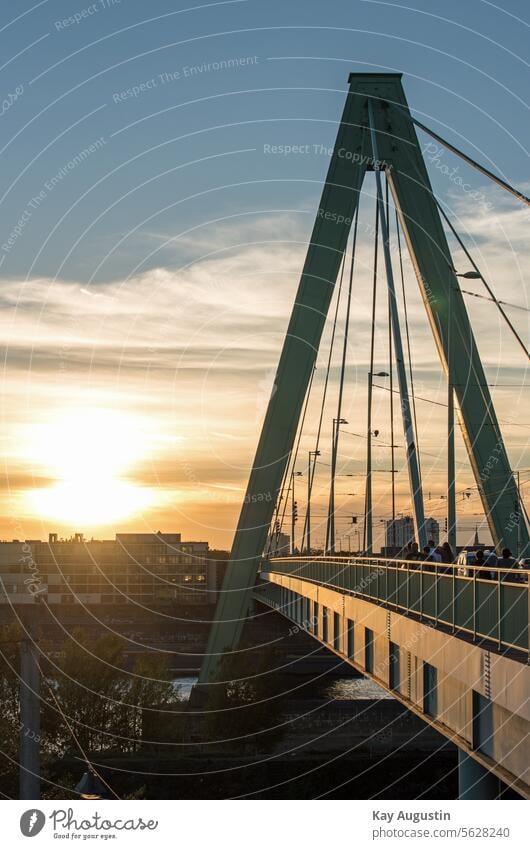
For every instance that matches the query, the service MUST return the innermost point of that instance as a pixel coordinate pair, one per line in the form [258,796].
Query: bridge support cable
[488,288]
[407,336]
[312,462]
[498,180]
[393,469]
[330,529]
[290,468]
[367,519]
[408,427]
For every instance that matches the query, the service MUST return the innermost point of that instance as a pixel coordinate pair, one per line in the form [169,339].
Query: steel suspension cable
[311,469]
[292,461]
[391,396]
[498,180]
[330,530]
[486,285]
[407,337]
[372,343]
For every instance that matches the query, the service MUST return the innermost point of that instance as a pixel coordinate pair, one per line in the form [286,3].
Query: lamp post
[368,499]
[294,508]
[330,543]
[310,476]
[451,470]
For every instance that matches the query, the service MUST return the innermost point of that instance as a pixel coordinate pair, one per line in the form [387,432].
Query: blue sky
[151,243]
[455,74]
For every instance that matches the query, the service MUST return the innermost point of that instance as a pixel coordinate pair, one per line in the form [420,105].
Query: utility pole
[330,532]
[451,471]
[368,498]
[310,477]
[29,709]
[294,510]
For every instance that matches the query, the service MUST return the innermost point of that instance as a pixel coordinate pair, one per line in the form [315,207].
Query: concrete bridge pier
[475,781]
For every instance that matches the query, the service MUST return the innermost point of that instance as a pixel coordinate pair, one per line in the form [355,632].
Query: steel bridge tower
[376,113]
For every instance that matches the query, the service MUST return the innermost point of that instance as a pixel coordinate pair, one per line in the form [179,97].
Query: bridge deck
[453,648]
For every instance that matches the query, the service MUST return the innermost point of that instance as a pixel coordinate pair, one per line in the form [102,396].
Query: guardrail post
[436,580]
[453,604]
[499,610]
[421,591]
[474,603]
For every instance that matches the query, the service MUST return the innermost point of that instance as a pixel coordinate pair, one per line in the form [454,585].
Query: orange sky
[137,404]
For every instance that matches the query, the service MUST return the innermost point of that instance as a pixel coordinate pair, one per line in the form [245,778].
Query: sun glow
[89,453]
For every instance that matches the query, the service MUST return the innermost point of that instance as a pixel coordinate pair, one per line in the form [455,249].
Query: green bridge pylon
[400,155]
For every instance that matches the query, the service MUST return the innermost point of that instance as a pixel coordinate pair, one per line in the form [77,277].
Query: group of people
[490,564]
[430,554]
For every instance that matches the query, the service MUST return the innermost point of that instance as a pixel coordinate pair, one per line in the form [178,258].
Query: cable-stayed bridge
[452,643]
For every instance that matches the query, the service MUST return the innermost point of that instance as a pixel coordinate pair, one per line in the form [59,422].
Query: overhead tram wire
[486,285]
[442,404]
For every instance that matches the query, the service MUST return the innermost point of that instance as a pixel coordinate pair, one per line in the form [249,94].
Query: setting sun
[88,453]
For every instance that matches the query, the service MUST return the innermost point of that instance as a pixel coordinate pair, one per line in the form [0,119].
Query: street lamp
[90,787]
[294,508]
[469,275]
[310,476]
[330,543]
[368,508]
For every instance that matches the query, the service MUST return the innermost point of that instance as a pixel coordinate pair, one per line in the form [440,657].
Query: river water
[342,689]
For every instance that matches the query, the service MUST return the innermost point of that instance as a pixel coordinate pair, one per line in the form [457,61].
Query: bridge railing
[483,601]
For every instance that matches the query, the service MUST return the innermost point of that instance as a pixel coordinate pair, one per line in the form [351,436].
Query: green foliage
[245,710]
[91,699]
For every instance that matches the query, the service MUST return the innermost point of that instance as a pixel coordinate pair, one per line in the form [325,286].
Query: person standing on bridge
[447,555]
[507,565]
[434,555]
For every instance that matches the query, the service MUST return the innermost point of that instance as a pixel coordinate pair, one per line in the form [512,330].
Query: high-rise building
[400,532]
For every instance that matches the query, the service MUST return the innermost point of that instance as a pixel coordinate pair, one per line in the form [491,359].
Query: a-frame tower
[400,156]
